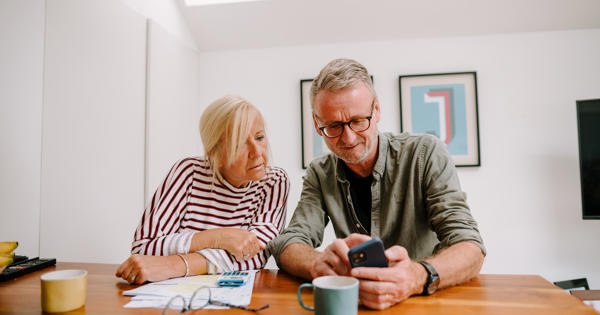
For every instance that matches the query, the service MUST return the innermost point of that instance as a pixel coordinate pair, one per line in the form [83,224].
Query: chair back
[572,284]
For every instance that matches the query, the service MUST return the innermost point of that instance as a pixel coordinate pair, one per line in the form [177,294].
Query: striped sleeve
[269,219]
[218,260]
[157,234]
[267,223]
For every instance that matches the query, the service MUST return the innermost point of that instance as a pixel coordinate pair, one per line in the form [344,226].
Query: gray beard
[368,151]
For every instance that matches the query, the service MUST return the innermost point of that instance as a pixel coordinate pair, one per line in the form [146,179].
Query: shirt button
[358,225]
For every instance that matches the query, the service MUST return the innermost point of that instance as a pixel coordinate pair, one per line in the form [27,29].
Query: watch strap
[432,275]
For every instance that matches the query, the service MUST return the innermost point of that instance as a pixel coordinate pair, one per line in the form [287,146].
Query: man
[400,188]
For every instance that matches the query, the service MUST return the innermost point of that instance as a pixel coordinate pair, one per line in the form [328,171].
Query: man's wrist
[433,279]
[311,259]
[291,263]
[420,278]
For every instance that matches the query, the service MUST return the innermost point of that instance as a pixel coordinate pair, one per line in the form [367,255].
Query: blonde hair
[224,128]
[338,74]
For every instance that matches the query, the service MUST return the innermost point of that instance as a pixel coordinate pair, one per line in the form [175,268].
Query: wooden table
[486,294]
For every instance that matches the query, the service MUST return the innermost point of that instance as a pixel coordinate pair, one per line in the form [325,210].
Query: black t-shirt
[360,191]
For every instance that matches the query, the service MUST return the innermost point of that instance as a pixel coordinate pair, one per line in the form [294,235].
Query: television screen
[588,125]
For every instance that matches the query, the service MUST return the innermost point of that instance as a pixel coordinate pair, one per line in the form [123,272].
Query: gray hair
[338,74]
[224,128]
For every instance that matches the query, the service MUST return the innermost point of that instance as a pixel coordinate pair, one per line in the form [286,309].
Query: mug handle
[304,285]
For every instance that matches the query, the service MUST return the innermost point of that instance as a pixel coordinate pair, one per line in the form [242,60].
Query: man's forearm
[457,263]
[297,259]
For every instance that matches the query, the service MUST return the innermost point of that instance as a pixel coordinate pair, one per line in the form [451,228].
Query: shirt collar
[232,188]
[381,155]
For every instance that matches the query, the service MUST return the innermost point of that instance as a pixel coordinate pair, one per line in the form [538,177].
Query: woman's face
[251,163]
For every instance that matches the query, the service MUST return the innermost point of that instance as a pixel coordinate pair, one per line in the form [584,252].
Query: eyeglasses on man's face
[200,299]
[359,124]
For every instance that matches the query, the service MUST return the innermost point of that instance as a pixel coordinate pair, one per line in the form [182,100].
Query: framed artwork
[313,145]
[444,105]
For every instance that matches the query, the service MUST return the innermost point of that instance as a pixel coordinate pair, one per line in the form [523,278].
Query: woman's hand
[242,244]
[138,269]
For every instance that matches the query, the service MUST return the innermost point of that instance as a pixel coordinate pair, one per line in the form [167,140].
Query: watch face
[433,286]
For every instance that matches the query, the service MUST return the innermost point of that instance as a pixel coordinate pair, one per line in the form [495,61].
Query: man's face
[344,105]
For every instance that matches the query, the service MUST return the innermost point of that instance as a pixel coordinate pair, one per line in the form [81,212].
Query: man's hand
[141,268]
[381,288]
[334,260]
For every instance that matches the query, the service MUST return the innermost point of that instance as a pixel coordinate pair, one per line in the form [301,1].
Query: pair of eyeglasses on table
[201,298]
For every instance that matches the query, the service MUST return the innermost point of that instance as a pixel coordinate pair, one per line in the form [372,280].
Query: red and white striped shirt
[191,199]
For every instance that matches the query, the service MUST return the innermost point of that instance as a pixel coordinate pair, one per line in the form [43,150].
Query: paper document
[158,294]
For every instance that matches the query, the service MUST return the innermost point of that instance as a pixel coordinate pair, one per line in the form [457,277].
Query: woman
[216,213]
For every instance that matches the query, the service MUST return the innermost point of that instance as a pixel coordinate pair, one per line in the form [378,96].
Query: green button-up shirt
[416,201]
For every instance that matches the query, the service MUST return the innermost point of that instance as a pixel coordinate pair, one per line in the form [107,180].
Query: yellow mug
[63,290]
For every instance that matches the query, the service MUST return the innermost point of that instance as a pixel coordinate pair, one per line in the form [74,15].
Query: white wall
[93,130]
[173,109]
[21,65]
[526,194]
[97,152]
[167,14]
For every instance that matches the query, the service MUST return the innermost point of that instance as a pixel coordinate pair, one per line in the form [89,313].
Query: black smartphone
[368,254]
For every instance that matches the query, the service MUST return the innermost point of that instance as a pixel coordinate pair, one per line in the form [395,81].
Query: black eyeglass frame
[188,306]
[349,123]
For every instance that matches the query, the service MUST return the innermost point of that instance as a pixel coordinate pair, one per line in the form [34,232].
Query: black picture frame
[311,141]
[445,105]
[588,129]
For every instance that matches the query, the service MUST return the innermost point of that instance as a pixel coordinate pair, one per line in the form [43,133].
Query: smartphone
[368,254]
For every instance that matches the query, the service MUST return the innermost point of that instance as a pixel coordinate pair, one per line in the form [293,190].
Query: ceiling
[273,23]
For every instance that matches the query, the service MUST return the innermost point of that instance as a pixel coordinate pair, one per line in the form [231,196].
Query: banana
[5,261]
[6,253]
[11,255]
[7,247]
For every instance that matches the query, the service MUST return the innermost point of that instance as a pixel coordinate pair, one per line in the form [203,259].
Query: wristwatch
[433,280]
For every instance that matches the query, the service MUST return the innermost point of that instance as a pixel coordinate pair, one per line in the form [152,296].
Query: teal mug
[334,295]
